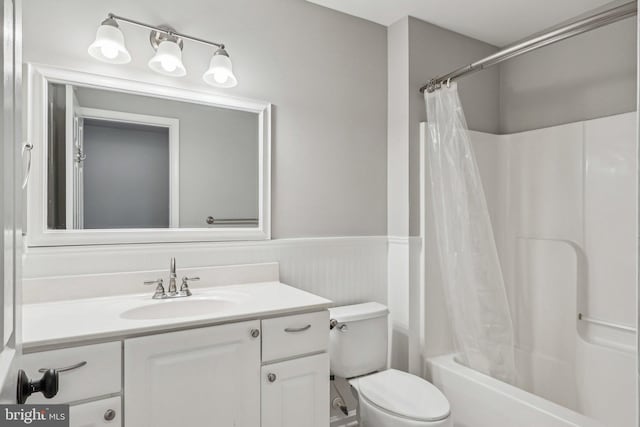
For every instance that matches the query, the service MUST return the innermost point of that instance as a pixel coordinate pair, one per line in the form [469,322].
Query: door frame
[170,123]
[11,192]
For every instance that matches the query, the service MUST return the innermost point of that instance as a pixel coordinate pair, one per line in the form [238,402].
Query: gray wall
[56,172]
[434,51]
[419,51]
[218,153]
[325,73]
[126,181]
[398,129]
[589,76]
[592,75]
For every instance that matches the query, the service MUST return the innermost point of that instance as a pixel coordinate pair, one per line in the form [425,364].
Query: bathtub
[478,400]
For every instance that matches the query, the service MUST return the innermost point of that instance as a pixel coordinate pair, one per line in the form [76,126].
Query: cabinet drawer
[291,336]
[105,412]
[100,375]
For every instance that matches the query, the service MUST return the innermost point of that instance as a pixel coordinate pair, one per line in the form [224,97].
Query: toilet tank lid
[351,313]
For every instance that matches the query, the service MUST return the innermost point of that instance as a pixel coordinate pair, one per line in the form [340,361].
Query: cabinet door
[295,393]
[199,377]
[101,413]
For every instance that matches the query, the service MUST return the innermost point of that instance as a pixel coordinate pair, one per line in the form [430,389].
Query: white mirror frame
[37,232]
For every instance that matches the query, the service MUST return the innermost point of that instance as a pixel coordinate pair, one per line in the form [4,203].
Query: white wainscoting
[404,295]
[343,269]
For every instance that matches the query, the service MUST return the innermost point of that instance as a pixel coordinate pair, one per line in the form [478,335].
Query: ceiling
[498,22]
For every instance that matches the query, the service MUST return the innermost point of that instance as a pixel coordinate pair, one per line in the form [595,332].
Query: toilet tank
[358,343]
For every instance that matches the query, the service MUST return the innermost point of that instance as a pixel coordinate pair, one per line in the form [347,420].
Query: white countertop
[59,323]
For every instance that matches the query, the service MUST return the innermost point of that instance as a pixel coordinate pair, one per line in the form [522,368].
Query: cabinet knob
[255,333]
[109,415]
[271,377]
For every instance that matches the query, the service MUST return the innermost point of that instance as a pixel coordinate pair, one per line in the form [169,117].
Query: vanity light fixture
[109,47]
[109,44]
[220,72]
[168,57]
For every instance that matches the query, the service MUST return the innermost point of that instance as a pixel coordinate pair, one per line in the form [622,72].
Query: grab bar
[232,221]
[605,323]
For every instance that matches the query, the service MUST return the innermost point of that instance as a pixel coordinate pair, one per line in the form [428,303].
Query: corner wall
[435,51]
[417,51]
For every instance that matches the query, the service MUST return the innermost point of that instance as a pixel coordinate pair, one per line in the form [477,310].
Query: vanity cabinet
[196,377]
[296,392]
[104,412]
[295,371]
[270,372]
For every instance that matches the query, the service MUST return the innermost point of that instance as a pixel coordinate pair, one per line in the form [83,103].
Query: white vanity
[242,355]
[248,352]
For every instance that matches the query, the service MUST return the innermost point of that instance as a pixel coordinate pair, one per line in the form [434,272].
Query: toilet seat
[404,395]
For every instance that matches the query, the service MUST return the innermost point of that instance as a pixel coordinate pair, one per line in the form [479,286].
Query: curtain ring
[449,82]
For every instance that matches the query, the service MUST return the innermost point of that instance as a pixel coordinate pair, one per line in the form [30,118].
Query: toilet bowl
[386,397]
[394,398]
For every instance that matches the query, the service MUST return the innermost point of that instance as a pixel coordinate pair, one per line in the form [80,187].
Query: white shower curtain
[468,258]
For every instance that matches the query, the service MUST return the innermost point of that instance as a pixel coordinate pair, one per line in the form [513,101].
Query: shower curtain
[471,274]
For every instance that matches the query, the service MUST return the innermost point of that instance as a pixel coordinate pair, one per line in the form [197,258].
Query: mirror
[124,157]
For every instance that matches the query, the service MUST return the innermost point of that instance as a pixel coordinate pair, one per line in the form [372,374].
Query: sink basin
[183,307]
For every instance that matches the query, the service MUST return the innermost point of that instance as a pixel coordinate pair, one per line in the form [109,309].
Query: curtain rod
[580,26]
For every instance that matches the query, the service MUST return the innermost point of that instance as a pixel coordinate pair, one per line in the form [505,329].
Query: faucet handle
[184,288]
[159,293]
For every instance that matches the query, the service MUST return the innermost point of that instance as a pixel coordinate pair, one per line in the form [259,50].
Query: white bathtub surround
[563,206]
[81,320]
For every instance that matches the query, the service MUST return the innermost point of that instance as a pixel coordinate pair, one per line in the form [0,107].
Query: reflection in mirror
[124,161]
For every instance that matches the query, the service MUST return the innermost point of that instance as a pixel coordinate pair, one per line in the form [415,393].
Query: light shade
[168,59]
[109,44]
[220,72]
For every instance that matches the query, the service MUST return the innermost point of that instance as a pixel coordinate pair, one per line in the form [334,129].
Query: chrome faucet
[159,292]
[172,290]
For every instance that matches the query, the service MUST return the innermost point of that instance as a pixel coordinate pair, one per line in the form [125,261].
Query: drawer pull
[294,330]
[66,368]
[271,377]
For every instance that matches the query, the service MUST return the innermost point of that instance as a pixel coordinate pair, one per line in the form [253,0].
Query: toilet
[386,397]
